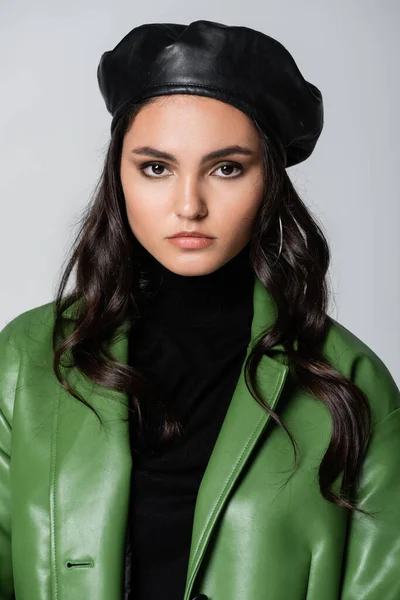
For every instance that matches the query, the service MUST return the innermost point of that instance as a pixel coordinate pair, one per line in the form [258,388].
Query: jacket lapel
[99,465]
[244,422]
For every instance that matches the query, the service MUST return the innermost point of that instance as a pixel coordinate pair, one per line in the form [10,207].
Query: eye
[231,166]
[144,166]
[158,166]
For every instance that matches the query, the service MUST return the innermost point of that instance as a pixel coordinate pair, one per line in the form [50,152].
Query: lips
[189,234]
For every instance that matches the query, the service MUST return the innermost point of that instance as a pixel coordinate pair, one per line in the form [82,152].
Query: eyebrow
[149,151]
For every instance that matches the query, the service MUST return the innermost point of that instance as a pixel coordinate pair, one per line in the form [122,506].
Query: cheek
[240,213]
[142,207]
[140,215]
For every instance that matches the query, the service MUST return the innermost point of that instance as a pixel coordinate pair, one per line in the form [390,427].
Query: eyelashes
[144,166]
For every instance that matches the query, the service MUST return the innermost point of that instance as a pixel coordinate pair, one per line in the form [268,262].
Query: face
[170,183]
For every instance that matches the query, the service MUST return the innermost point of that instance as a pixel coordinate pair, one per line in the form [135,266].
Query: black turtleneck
[190,341]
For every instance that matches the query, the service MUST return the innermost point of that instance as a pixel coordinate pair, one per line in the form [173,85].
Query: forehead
[184,115]
[189,102]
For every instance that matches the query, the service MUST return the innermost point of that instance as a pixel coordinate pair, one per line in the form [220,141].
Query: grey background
[54,129]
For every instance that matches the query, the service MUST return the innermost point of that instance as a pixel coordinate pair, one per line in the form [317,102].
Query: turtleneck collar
[197,300]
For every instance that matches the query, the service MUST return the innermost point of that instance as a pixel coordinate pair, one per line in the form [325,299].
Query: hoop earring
[281,244]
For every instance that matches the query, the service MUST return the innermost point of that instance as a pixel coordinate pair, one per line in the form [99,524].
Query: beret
[235,64]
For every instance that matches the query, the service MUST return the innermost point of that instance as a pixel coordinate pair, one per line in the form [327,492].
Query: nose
[189,202]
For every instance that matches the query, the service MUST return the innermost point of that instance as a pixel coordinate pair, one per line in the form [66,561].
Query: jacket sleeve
[371,568]
[9,367]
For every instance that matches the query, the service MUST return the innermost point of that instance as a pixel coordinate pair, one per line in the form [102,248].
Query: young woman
[188,422]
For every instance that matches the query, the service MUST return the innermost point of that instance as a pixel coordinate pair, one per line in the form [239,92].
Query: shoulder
[25,341]
[27,330]
[359,363]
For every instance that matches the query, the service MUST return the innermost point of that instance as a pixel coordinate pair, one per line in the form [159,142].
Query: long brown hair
[108,282]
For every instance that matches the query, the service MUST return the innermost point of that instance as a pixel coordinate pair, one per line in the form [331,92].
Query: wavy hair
[108,283]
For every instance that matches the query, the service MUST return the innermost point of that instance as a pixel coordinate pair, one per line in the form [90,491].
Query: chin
[194,269]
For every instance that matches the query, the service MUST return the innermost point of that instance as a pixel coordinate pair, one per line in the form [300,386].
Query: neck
[196,300]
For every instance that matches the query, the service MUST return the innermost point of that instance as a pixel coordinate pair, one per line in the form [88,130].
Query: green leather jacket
[65,481]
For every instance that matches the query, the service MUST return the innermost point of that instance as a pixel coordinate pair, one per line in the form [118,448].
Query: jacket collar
[244,422]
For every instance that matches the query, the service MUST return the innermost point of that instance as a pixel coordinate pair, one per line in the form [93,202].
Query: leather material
[65,482]
[234,64]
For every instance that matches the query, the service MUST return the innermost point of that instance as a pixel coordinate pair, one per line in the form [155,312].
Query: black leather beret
[234,64]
